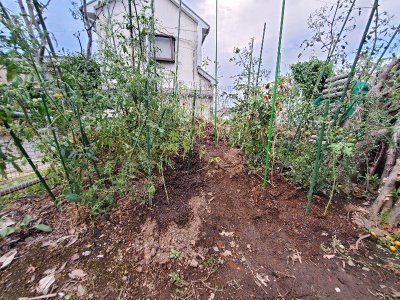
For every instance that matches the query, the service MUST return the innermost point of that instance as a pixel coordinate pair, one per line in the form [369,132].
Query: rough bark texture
[386,190]
[383,78]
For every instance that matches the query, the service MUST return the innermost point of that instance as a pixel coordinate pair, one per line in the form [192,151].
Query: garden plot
[221,236]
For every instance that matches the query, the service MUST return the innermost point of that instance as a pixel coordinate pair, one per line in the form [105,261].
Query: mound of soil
[217,235]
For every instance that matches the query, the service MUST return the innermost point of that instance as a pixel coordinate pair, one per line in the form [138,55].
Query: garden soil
[213,234]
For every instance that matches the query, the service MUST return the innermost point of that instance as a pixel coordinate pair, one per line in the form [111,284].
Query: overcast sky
[239,21]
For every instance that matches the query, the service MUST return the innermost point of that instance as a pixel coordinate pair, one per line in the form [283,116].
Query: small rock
[212,296]
[337,290]
[86,253]
[365,269]
[227,253]
[216,249]
[351,263]
[125,278]
[194,263]
[139,269]
[81,290]
[192,242]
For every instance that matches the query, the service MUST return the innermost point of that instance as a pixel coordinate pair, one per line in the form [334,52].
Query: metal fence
[11,173]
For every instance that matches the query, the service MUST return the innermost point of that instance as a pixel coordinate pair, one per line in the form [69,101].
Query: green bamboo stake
[177,51]
[319,156]
[372,72]
[272,118]
[321,74]
[191,130]
[261,54]
[353,67]
[50,124]
[216,73]
[28,158]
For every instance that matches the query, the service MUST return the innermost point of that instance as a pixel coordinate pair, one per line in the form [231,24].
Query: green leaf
[11,72]
[74,198]
[7,231]
[43,227]
[27,219]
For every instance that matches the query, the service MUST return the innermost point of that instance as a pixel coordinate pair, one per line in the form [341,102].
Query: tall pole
[261,54]
[177,50]
[272,117]
[318,159]
[216,72]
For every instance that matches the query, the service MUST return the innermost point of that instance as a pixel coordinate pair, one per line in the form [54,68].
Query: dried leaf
[6,222]
[329,256]
[77,274]
[45,284]
[7,258]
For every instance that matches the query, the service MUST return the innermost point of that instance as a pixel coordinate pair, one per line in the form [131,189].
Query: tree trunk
[385,192]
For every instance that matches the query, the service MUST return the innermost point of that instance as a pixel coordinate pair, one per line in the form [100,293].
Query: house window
[165,48]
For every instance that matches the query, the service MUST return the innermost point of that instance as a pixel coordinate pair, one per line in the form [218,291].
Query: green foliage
[104,131]
[307,74]
[23,226]
[177,279]
[175,254]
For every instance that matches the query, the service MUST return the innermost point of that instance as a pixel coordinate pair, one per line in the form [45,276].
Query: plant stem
[333,188]
[261,54]
[250,69]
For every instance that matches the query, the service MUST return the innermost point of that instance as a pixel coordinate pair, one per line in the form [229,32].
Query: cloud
[240,20]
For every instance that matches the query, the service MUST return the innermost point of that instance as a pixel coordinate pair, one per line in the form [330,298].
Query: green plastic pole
[272,118]
[319,156]
[177,51]
[46,109]
[191,131]
[371,72]
[216,73]
[353,67]
[321,74]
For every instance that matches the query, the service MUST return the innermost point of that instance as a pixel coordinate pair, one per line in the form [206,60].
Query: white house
[194,31]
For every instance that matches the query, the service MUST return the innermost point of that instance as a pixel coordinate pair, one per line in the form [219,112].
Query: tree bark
[383,78]
[387,188]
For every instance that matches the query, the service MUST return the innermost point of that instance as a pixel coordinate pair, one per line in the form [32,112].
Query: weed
[210,262]
[384,216]
[177,279]
[175,254]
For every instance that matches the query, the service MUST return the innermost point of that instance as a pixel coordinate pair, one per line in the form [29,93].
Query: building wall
[166,14]
[190,51]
